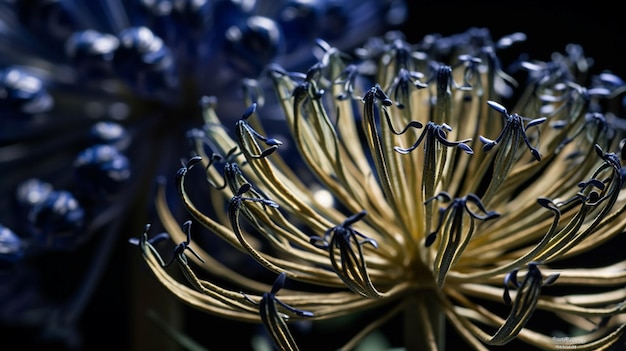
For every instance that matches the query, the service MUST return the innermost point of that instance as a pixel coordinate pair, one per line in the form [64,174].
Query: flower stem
[424,322]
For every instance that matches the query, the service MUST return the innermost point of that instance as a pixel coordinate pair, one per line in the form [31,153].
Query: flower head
[427,183]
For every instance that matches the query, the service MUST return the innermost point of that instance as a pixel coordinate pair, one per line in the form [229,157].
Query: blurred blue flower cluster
[95,100]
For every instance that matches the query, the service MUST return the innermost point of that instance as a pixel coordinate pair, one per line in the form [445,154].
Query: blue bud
[29,194]
[92,52]
[11,246]
[144,62]
[254,44]
[57,223]
[101,171]
[111,133]
[23,93]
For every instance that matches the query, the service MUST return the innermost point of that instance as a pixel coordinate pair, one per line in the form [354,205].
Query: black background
[596,25]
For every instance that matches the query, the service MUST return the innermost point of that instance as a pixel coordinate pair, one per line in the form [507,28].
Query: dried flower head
[427,183]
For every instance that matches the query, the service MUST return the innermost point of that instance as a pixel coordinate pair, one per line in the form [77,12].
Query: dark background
[116,317]
[596,25]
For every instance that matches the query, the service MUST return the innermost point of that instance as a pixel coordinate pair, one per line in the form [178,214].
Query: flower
[92,91]
[418,183]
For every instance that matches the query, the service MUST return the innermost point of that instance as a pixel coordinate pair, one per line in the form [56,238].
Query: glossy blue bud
[101,171]
[57,223]
[22,94]
[29,194]
[92,52]
[111,133]
[11,246]
[144,61]
[253,44]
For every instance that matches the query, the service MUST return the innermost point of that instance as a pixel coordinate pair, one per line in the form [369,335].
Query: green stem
[424,322]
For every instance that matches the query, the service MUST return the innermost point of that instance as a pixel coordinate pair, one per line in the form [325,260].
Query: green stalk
[424,322]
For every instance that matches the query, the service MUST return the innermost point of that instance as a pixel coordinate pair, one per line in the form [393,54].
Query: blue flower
[95,101]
